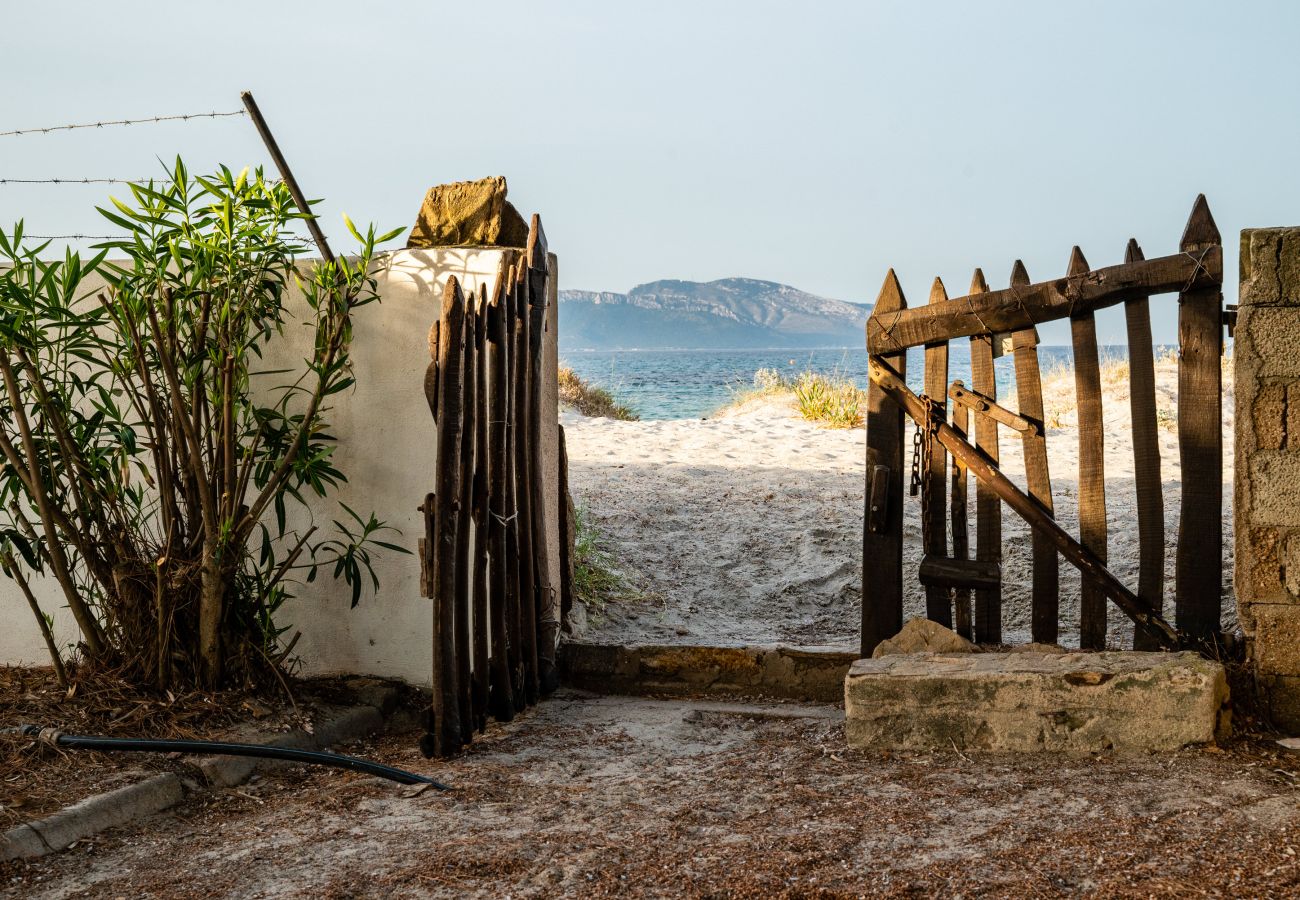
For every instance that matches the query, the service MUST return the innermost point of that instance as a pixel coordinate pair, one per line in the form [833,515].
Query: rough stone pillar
[1267,501]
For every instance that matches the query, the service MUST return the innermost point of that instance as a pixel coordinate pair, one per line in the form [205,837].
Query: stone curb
[810,674]
[160,792]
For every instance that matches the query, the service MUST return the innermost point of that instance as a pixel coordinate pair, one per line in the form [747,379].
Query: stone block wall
[1267,501]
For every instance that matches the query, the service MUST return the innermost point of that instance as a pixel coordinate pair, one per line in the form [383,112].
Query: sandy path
[747,528]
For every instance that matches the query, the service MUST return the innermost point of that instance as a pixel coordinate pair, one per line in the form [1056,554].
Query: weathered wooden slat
[548,619]
[878,500]
[1045,601]
[882,549]
[988,508]
[1146,455]
[431,373]
[567,533]
[1092,463]
[514,564]
[524,496]
[938,606]
[960,536]
[464,525]
[986,406]
[1014,309]
[501,695]
[945,573]
[446,693]
[1199,574]
[986,471]
[480,499]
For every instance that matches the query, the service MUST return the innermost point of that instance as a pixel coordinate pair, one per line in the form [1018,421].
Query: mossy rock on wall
[468,214]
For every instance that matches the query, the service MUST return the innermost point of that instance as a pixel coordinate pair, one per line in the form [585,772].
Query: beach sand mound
[747,528]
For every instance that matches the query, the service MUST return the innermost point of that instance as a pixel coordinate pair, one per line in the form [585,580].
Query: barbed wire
[73,237]
[157,179]
[185,117]
[306,239]
[78,180]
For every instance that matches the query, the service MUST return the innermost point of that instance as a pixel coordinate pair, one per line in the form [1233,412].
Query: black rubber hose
[221,748]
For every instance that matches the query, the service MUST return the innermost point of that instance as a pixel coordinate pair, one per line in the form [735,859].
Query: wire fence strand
[185,117]
[73,237]
[77,180]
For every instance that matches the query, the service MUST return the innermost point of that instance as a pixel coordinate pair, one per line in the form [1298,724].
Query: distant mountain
[732,313]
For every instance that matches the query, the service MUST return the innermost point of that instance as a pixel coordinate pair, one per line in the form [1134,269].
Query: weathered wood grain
[960,535]
[1199,573]
[1014,309]
[514,582]
[942,572]
[987,406]
[988,508]
[548,619]
[986,471]
[934,537]
[481,520]
[1146,455]
[501,695]
[1092,463]
[464,525]
[446,693]
[1045,600]
[524,489]
[882,550]
[567,529]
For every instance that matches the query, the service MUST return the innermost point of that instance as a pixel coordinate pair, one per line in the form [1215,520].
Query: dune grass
[1060,399]
[830,400]
[591,400]
[596,581]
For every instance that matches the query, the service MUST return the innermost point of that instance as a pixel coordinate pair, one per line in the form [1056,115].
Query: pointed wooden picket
[1196,273]
[938,607]
[988,508]
[1199,577]
[882,534]
[1146,455]
[1045,602]
[447,726]
[1092,465]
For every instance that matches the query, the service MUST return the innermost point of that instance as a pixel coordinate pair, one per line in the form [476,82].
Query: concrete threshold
[814,674]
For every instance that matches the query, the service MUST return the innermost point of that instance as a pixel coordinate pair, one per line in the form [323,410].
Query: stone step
[1085,702]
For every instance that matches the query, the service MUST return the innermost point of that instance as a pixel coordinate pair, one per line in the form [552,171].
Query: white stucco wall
[386,448]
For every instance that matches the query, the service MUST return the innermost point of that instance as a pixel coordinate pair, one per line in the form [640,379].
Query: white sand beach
[746,528]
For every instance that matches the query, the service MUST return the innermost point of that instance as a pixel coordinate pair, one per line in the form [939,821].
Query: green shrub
[140,468]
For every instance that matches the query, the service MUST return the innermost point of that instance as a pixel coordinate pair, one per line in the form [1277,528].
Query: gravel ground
[587,796]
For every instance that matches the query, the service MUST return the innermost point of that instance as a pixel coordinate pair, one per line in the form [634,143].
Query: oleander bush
[150,457]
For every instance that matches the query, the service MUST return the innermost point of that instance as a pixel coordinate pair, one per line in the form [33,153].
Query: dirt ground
[603,796]
[37,779]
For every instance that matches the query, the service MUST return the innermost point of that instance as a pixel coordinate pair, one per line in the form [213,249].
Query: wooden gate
[484,556]
[1007,319]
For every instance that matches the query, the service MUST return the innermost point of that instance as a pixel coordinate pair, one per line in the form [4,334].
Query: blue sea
[690,384]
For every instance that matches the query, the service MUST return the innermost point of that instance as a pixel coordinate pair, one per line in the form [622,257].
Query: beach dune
[746,527]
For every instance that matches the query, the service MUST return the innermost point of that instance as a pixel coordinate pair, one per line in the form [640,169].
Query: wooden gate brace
[1092,569]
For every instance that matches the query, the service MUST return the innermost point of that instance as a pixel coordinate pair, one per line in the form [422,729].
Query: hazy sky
[810,143]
